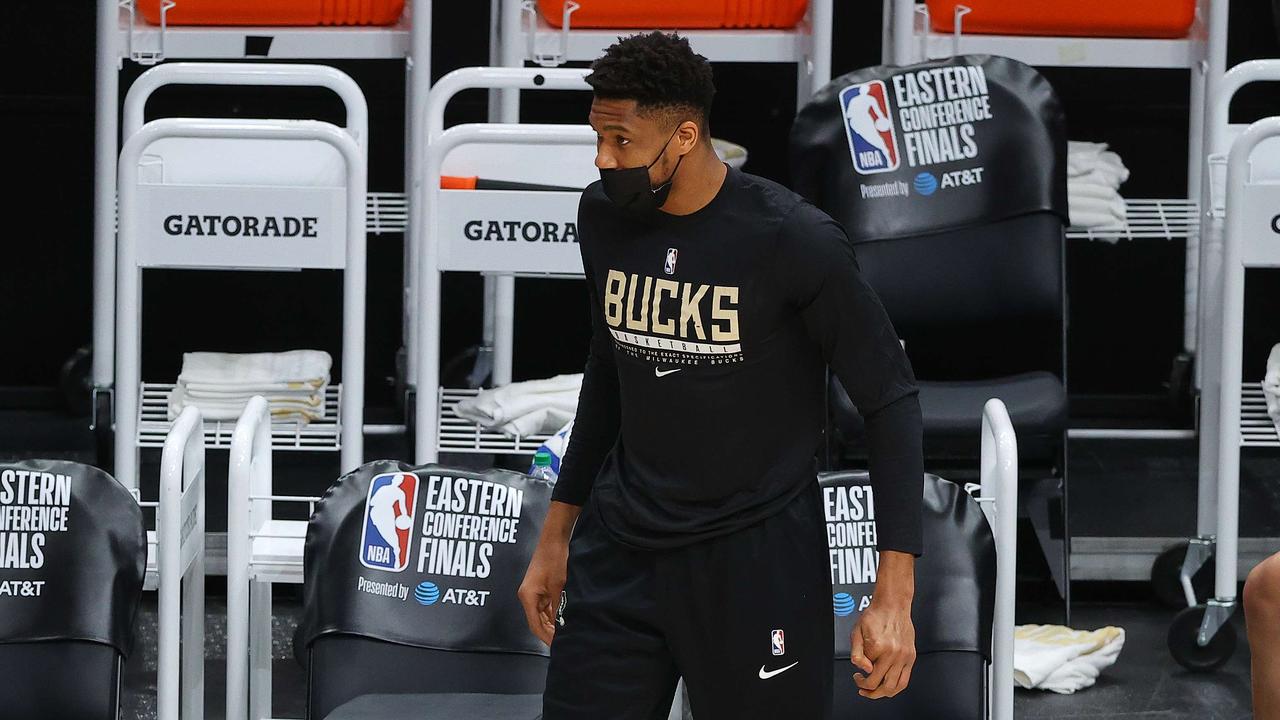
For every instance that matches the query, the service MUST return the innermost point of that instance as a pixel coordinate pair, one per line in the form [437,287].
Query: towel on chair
[525,408]
[221,384]
[1271,386]
[1057,658]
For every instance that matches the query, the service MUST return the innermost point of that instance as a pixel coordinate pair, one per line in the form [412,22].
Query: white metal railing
[429,267]
[999,483]
[105,251]
[429,124]
[129,275]
[1205,271]
[250,499]
[180,549]
[1147,219]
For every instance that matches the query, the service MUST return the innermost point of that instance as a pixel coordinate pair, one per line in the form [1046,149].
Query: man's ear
[687,135]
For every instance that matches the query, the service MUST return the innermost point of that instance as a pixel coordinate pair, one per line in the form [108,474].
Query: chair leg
[260,654]
[1066,533]
[1041,499]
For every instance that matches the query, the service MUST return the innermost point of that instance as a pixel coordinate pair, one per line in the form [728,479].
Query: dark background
[1125,304]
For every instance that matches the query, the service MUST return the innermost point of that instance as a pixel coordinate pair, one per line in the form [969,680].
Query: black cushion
[59,679]
[352,666]
[1037,404]
[975,302]
[943,686]
[442,706]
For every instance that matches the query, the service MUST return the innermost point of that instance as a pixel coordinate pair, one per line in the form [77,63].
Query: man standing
[717,299]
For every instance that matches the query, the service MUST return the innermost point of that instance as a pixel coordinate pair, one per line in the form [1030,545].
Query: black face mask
[629,188]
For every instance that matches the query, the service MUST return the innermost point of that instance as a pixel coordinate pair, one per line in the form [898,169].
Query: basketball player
[717,300]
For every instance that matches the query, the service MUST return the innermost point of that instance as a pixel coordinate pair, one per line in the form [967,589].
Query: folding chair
[949,177]
[410,597]
[69,591]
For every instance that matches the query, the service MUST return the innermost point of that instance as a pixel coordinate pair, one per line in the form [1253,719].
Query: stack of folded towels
[221,384]
[1094,176]
[525,408]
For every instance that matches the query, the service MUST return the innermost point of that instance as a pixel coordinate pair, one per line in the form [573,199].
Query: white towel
[221,384]
[1085,158]
[1091,212]
[249,371]
[1100,175]
[1094,175]
[312,396]
[258,388]
[283,409]
[1062,660]
[1271,386]
[525,408]
[1079,189]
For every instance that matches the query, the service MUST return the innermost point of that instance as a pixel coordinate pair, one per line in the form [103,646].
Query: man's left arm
[844,315]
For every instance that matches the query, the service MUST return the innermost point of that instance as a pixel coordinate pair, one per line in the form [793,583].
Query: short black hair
[659,71]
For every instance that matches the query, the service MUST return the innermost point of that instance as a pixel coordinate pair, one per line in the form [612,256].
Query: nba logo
[389,512]
[873,141]
[670,266]
[779,644]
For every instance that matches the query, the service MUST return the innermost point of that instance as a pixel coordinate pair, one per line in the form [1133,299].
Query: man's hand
[544,580]
[884,640]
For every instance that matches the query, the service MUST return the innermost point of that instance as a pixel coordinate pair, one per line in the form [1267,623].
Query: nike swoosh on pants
[766,675]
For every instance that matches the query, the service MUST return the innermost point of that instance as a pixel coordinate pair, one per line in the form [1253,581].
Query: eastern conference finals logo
[34,507]
[458,524]
[850,512]
[936,113]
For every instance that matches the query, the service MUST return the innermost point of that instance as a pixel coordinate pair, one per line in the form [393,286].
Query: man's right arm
[595,430]
[599,417]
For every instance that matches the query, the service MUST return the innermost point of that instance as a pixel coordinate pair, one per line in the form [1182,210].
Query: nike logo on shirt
[765,675]
[664,373]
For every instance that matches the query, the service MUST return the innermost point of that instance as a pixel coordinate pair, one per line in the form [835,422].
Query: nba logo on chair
[389,513]
[873,141]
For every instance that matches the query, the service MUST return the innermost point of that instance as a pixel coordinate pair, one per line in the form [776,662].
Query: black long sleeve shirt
[701,407]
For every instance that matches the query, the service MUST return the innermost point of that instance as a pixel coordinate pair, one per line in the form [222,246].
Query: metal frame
[128,272]
[430,266]
[1246,202]
[999,501]
[907,38]
[260,551]
[106,332]
[243,74]
[808,45]
[1212,270]
[410,39]
[180,547]
[429,125]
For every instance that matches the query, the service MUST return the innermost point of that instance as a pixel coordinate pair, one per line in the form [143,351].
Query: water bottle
[542,466]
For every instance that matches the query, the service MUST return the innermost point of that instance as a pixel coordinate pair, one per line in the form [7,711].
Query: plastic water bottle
[542,466]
